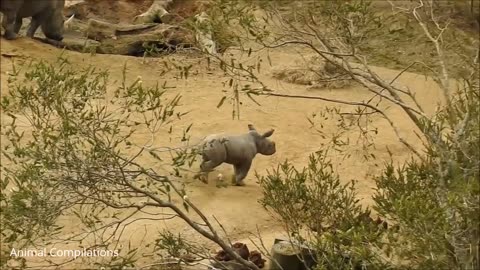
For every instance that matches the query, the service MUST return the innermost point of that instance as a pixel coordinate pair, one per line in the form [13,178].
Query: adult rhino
[45,13]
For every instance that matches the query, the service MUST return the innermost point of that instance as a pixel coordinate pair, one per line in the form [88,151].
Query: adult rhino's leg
[8,24]
[241,171]
[32,28]
[18,25]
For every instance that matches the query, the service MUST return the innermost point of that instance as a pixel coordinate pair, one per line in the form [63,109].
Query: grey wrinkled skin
[239,150]
[45,13]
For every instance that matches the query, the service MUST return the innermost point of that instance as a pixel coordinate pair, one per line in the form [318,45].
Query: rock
[256,258]
[396,27]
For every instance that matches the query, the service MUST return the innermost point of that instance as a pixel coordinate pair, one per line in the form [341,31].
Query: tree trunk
[286,255]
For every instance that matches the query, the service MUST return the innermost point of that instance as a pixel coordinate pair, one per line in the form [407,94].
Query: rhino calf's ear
[251,127]
[268,133]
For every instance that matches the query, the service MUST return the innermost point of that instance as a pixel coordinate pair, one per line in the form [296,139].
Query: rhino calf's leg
[241,171]
[8,24]
[208,166]
[213,154]
[205,168]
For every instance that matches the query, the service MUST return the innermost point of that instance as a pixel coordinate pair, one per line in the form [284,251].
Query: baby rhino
[237,150]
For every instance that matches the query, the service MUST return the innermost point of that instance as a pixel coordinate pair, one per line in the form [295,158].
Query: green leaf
[249,96]
[221,102]
[154,155]
[188,128]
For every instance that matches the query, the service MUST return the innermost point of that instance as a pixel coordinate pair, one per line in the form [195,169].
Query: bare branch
[395,129]
[445,84]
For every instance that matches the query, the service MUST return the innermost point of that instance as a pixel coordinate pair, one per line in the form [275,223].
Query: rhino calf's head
[264,145]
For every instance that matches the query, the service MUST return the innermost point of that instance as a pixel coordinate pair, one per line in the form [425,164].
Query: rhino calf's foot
[202,176]
[204,179]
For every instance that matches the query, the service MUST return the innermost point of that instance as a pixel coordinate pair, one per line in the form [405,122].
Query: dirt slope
[237,207]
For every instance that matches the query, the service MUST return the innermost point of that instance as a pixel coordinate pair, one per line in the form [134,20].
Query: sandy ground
[237,207]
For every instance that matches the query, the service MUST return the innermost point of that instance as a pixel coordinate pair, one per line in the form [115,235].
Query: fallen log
[137,45]
[100,30]
[136,39]
[123,39]
[73,44]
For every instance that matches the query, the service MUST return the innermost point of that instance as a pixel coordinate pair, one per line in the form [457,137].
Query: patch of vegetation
[317,74]
[432,200]
[401,41]
[391,37]
[68,150]
[225,18]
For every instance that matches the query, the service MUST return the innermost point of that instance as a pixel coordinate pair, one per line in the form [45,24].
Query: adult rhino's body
[238,150]
[48,14]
